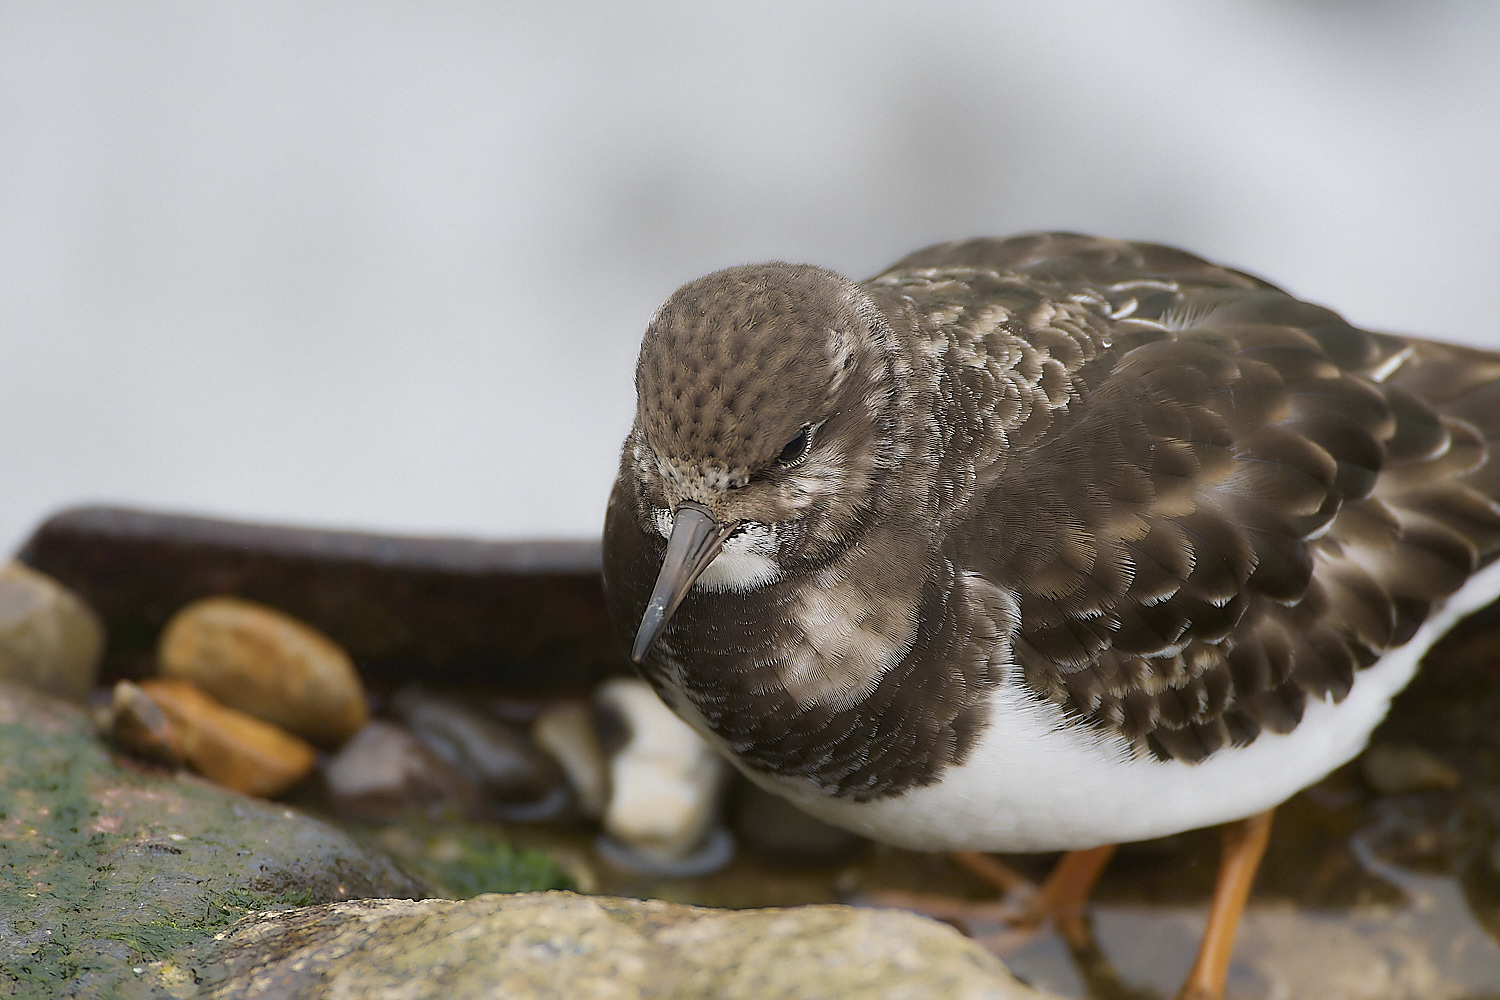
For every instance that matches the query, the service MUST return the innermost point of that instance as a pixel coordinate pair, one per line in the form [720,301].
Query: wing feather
[1222,500]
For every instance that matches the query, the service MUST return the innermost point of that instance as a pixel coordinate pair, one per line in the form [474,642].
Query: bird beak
[696,538]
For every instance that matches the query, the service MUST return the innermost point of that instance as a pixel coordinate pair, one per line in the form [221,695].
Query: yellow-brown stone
[266,663]
[139,726]
[228,746]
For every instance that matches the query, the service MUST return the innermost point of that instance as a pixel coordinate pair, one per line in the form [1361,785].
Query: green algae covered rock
[461,860]
[107,867]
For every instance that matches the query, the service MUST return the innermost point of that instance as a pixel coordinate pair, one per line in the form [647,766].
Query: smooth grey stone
[49,638]
[384,771]
[514,778]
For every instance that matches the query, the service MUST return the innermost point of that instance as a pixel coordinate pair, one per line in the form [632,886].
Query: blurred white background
[386,265]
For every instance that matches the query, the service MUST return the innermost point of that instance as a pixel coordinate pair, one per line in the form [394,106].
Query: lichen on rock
[558,945]
[107,865]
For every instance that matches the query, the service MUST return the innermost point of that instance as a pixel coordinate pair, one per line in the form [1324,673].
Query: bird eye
[797,448]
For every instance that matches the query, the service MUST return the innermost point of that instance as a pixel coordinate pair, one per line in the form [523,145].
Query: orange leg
[1069,885]
[1067,889]
[992,871]
[1243,844]
[1063,894]
[961,912]
[1061,898]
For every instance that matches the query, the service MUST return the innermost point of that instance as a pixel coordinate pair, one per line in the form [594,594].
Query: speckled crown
[729,353]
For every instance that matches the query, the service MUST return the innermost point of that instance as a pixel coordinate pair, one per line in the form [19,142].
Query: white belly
[1034,783]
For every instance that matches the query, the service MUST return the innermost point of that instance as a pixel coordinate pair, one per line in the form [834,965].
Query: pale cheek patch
[844,652]
[747,561]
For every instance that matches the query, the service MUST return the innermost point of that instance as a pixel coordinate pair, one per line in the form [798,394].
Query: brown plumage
[1045,543]
[1169,497]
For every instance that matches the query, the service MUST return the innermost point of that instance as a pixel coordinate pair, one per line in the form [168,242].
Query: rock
[772,825]
[515,779]
[566,731]
[236,750]
[105,867]
[139,727]
[385,771]
[523,616]
[49,638]
[1399,768]
[268,664]
[1369,953]
[558,945]
[665,783]
[514,710]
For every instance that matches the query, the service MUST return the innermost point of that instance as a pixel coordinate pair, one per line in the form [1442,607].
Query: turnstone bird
[1045,543]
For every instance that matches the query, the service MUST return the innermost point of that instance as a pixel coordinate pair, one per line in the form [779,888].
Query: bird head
[765,428]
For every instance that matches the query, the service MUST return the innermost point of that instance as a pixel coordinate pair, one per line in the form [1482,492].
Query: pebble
[383,771]
[139,726]
[665,783]
[1399,768]
[268,664]
[515,779]
[566,731]
[227,746]
[50,639]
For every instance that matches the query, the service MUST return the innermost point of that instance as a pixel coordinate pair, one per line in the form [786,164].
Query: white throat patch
[747,560]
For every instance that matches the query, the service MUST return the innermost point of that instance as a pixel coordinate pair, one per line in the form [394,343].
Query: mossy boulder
[108,867]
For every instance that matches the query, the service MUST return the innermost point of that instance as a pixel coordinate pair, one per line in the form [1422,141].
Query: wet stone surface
[568,732]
